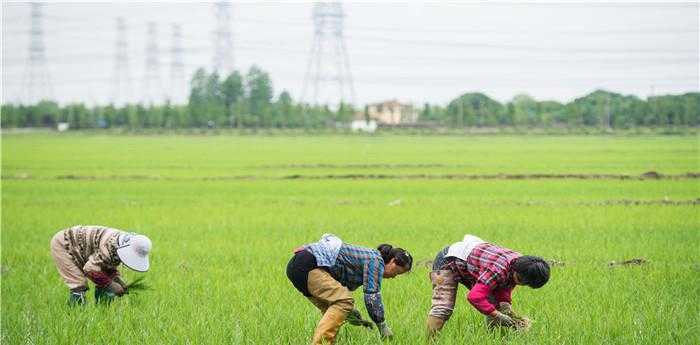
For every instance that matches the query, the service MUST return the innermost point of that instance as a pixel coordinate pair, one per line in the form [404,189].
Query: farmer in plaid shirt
[327,272]
[490,273]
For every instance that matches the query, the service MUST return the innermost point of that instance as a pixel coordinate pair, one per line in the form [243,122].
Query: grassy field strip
[211,156]
[221,245]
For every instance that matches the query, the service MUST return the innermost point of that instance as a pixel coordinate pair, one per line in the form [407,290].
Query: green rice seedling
[224,215]
[137,285]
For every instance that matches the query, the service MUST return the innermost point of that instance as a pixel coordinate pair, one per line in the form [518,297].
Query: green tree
[474,109]
[46,114]
[198,102]
[284,109]
[78,116]
[691,108]
[109,115]
[216,107]
[132,117]
[525,111]
[551,112]
[154,117]
[345,113]
[234,96]
[9,116]
[260,94]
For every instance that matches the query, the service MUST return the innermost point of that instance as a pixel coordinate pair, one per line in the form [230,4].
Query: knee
[346,305]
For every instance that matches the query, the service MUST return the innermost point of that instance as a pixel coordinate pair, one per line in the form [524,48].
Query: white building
[363,125]
[391,112]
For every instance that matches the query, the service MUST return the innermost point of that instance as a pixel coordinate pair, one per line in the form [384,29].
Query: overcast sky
[416,52]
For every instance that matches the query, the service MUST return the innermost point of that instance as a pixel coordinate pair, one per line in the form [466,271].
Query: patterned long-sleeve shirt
[93,248]
[486,272]
[357,266]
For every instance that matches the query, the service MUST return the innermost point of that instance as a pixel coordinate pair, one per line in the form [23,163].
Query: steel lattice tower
[152,91]
[223,39]
[36,83]
[121,83]
[177,66]
[328,74]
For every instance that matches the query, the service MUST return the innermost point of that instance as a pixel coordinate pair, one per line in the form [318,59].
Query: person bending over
[490,273]
[93,252]
[327,272]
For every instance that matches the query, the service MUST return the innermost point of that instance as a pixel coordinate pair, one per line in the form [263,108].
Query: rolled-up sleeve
[372,286]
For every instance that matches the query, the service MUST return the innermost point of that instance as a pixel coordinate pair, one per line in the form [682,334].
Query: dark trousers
[298,270]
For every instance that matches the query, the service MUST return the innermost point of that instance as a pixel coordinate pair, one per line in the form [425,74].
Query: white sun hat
[133,250]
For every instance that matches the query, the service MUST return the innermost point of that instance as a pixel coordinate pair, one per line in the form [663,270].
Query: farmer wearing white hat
[93,252]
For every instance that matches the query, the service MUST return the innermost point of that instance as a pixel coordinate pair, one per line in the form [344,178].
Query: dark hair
[400,255]
[532,270]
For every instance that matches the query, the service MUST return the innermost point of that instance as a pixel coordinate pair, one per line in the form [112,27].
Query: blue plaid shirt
[355,266]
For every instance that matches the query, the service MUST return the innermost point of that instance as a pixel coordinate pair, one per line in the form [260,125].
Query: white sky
[415,52]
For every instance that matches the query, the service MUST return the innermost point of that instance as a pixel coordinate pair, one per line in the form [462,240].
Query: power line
[37,81]
[281,49]
[378,58]
[326,68]
[460,81]
[152,88]
[177,65]
[223,39]
[416,43]
[122,80]
[528,48]
[384,40]
[67,27]
[482,31]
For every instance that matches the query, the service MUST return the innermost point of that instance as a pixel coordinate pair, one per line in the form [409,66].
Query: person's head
[396,260]
[532,271]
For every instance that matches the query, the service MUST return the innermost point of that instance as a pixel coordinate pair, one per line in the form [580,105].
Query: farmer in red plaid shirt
[490,273]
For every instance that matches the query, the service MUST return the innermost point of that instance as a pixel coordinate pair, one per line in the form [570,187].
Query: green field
[225,212]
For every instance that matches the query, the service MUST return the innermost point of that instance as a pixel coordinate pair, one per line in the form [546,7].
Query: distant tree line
[597,109]
[236,101]
[249,101]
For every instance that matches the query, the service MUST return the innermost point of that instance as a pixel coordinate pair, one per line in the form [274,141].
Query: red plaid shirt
[489,265]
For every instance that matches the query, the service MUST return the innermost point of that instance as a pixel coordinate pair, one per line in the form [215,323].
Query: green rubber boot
[76,298]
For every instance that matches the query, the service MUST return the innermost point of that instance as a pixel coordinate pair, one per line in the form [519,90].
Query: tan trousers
[443,301]
[444,293]
[335,302]
[72,275]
